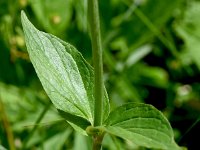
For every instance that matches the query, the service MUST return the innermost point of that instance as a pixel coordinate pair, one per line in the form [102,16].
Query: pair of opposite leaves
[69,80]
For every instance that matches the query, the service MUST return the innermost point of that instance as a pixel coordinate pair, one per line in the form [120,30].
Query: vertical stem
[97,141]
[94,22]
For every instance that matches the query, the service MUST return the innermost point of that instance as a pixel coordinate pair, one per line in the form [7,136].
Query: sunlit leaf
[66,77]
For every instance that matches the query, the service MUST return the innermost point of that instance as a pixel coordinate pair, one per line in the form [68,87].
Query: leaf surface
[142,124]
[66,77]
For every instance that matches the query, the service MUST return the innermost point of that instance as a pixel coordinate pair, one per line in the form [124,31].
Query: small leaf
[142,124]
[66,77]
[80,122]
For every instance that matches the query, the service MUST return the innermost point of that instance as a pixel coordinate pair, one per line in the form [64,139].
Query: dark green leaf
[142,124]
[80,122]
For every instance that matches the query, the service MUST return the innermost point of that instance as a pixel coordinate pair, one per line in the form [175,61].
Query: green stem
[94,23]
[98,134]
[93,12]
[97,141]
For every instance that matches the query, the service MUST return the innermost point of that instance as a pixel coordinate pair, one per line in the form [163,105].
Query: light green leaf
[66,77]
[142,124]
[2,148]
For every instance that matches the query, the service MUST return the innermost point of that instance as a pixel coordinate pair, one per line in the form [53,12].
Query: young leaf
[142,124]
[66,77]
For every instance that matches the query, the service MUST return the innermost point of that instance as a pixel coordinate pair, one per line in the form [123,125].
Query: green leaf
[57,141]
[80,122]
[66,77]
[135,29]
[2,148]
[142,124]
[53,15]
[81,142]
[188,29]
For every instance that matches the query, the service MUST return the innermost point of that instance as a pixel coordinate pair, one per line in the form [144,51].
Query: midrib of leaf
[135,130]
[89,78]
[72,79]
[151,140]
[68,72]
[87,67]
[142,124]
[69,100]
[138,114]
[127,125]
[60,81]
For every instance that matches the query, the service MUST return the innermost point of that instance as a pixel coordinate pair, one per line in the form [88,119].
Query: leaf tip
[23,15]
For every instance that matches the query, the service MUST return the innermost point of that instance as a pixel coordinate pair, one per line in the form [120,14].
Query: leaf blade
[87,74]
[47,53]
[66,77]
[142,124]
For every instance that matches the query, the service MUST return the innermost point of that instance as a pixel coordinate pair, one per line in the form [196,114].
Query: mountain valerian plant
[78,93]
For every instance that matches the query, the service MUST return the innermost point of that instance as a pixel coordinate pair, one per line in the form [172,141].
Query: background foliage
[151,55]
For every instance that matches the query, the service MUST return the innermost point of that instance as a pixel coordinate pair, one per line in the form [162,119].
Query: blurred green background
[151,54]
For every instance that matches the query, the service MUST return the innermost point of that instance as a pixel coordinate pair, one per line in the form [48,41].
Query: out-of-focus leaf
[81,14]
[57,141]
[66,77]
[2,148]
[30,103]
[54,15]
[134,28]
[138,54]
[111,142]
[189,30]
[148,75]
[81,142]
[142,124]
